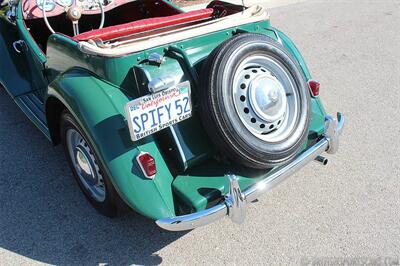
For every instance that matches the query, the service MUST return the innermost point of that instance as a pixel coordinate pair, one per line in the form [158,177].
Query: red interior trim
[143,25]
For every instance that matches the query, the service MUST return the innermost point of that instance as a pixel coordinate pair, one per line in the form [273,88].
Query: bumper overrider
[235,202]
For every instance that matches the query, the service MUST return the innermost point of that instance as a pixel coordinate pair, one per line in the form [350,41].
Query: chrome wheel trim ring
[85,165]
[252,75]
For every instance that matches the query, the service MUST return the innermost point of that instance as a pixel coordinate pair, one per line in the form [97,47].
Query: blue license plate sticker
[154,112]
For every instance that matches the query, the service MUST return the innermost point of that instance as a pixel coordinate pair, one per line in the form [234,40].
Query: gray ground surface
[350,208]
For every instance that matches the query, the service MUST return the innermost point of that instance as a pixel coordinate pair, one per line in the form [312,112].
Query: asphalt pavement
[348,209]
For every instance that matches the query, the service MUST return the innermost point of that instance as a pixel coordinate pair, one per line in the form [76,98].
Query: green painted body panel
[200,190]
[21,74]
[14,75]
[98,106]
[95,90]
[291,47]
[203,186]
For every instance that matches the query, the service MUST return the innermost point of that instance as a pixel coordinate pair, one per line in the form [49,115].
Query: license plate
[154,112]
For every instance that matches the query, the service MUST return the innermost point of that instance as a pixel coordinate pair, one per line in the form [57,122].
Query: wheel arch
[294,51]
[98,107]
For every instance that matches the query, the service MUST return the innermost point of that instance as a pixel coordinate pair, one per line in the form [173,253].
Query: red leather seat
[143,25]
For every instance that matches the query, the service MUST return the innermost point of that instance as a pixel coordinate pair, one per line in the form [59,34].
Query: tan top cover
[250,15]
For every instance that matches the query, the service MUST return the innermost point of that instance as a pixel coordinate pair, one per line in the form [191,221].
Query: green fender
[291,47]
[98,106]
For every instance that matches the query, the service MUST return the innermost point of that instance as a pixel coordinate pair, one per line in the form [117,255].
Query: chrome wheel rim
[265,98]
[85,165]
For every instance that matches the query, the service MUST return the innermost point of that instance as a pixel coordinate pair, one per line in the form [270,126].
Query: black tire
[220,118]
[108,206]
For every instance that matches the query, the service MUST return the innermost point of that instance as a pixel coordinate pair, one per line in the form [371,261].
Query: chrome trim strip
[25,105]
[278,38]
[179,146]
[235,201]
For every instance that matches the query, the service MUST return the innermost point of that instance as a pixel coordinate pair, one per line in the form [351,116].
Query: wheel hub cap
[267,98]
[85,165]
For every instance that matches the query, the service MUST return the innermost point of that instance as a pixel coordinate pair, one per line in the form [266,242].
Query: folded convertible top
[143,25]
[122,47]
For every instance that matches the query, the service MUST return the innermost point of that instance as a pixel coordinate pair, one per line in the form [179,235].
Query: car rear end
[199,181]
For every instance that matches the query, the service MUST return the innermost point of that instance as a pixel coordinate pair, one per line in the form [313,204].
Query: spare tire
[255,101]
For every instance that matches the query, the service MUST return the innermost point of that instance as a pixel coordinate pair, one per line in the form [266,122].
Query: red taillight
[314,87]
[147,164]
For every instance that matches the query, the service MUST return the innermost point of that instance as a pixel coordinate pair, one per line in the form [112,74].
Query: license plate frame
[144,120]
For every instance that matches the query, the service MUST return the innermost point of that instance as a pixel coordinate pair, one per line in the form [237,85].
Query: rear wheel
[255,101]
[86,167]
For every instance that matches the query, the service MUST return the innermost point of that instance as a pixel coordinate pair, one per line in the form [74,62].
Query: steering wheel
[74,13]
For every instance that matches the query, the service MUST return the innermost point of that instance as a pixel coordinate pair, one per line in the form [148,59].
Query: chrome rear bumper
[235,202]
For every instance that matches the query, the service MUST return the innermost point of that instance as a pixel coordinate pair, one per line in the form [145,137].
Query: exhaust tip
[321,159]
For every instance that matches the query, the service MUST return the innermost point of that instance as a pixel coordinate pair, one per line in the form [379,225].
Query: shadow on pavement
[45,217]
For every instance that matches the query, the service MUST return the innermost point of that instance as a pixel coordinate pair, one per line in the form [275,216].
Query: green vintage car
[185,117]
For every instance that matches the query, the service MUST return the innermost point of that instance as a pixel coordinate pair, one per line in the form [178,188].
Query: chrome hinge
[156,58]
[19,46]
